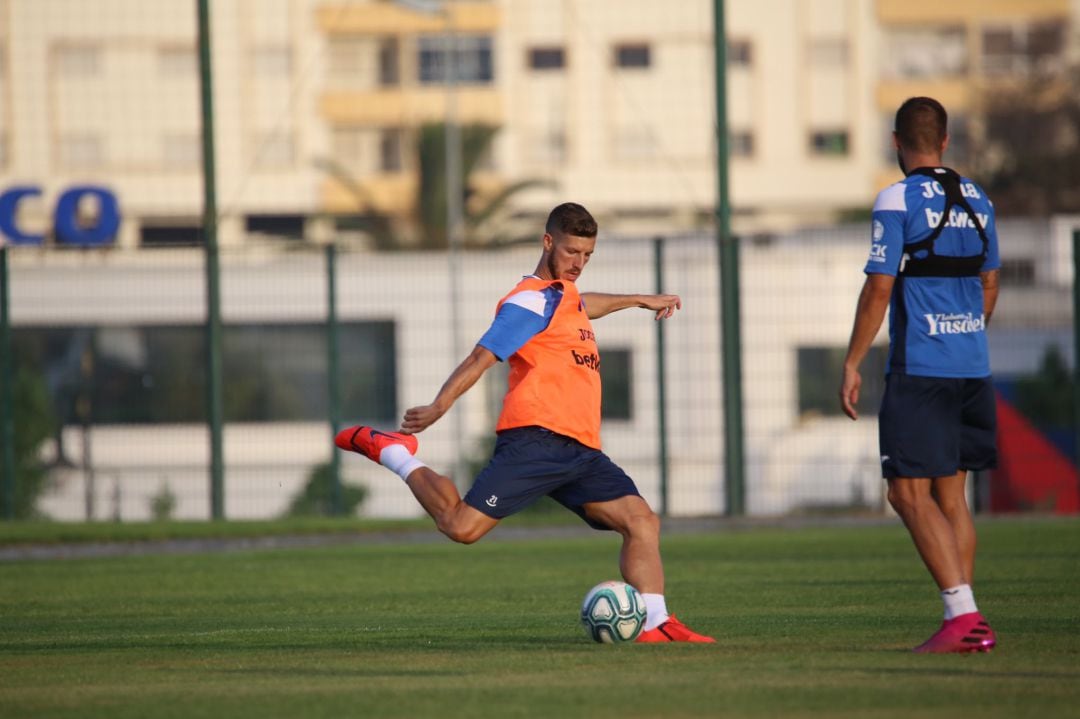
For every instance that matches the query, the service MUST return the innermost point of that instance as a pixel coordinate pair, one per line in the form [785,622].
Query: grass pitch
[810,622]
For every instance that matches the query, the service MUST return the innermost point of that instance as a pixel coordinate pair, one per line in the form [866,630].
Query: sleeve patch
[892,198]
[531,300]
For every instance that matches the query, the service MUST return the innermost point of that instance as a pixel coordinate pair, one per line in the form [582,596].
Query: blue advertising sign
[66,223]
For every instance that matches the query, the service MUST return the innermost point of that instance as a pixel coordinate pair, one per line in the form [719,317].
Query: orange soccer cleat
[673,631]
[370,442]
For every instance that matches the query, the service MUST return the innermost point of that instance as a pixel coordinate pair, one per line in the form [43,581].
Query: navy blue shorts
[936,426]
[530,462]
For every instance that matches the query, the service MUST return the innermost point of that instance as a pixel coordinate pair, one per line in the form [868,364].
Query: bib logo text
[591,360]
[955,324]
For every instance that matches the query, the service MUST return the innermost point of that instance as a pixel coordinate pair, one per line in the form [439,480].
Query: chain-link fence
[116,344]
[348,123]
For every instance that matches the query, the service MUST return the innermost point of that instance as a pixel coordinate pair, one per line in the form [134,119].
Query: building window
[273,372]
[1022,50]
[177,62]
[390,151]
[832,143]
[740,53]
[79,60]
[169,234]
[472,59]
[389,65]
[547,58]
[616,373]
[81,152]
[633,55]
[741,143]
[285,227]
[961,149]
[818,368]
[925,52]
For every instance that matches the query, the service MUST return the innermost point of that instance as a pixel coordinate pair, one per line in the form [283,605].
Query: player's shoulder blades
[892,198]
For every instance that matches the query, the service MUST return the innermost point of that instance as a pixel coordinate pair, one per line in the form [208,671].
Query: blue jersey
[936,324]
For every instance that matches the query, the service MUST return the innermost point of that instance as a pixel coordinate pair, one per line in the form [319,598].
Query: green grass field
[810,622]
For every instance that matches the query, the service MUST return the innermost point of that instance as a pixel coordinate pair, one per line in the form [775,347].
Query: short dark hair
[921,124]
[572,219]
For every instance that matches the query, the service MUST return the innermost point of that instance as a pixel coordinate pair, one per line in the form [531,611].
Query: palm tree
[429,219]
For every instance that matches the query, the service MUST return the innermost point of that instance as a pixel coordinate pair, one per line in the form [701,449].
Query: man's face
[567,255]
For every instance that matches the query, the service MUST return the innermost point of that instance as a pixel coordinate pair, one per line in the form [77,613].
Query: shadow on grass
[372,673]
[957,672]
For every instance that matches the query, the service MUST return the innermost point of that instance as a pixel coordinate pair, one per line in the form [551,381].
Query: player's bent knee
[463,528]
[907,496]
[647,523]
[460,533]
[898,499]
[640,525]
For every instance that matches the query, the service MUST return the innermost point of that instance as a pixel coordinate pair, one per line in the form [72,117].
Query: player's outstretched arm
[598,304]
[417,419]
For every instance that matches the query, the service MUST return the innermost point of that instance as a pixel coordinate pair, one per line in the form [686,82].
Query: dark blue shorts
[530,462]
[936,426]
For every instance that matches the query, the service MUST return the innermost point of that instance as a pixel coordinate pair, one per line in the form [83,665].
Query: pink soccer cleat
[964,634]
[673,631]
[370,442]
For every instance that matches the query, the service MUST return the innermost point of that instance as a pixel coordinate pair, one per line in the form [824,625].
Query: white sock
[958,600]
[656,610]
[398,460]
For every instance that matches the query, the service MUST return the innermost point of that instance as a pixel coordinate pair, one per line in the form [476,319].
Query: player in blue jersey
[934,264]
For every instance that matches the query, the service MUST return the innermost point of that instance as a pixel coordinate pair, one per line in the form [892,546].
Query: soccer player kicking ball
[934,260]
[549,430]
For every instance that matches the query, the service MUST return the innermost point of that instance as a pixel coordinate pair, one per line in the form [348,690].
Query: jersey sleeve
[521,317]
[887,234]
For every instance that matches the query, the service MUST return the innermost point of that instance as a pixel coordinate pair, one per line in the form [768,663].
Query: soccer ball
[613,612]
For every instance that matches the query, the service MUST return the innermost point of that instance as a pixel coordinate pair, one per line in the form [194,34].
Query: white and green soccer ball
[613,612]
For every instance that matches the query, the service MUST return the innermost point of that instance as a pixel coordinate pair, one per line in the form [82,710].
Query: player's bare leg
[436,493]
[641,566]
[440,499]
[639,559]
[964,628]
[931,531]
[950,494]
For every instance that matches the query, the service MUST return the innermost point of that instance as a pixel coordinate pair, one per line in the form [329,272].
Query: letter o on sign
[68,230]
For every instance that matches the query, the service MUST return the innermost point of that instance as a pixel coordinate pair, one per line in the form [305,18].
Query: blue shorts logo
[492,501]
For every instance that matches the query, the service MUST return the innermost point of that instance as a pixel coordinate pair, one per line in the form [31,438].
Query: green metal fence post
[333,373]
[214,403]
[734,484]
[661,374]
[7,391]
